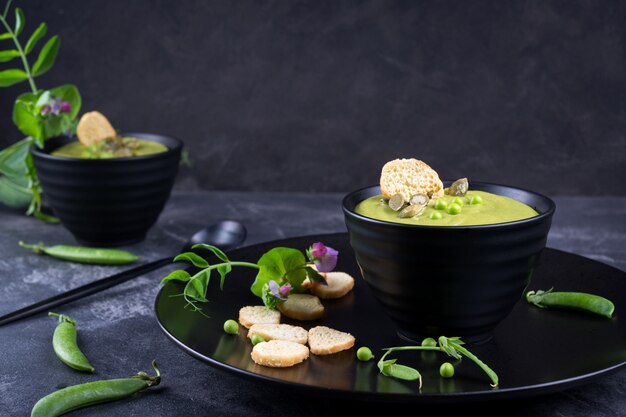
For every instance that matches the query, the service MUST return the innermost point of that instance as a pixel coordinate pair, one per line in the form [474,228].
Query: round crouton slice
[279,332]
[94,127]
[279,353]
[325,341]
[302,307]
[337,285]
[409,177]
[251,315]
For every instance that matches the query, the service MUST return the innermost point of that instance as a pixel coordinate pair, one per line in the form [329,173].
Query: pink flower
[324,257]
[275,291]
[285,290]
[45,109]
[66,107]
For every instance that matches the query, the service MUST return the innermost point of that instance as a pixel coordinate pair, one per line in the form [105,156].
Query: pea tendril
[452,346]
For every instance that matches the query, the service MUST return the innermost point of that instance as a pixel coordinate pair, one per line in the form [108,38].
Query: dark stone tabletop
[119,332]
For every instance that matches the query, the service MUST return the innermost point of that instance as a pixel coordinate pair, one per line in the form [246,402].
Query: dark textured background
[317,95]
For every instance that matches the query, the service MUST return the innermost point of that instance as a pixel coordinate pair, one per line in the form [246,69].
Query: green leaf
[13,194]
[47,56]
[11,76]
[69,93]
[46,218]
[314,276]
[13,160]
[192,258]
[216,251]
[223,270]
[178,275]
[39,33]
[7,35]
[197,286]
[24,116]
[278,263]
[19,21]
[6,56]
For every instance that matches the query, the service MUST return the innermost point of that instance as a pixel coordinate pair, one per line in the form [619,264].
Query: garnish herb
[281,271]
[452,346]
[581,301]
[38,114]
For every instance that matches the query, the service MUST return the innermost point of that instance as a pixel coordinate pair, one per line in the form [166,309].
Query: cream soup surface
[493,209]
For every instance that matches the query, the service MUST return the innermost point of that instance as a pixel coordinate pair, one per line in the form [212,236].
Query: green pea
[435,215]
[83,254]
[454,209]
[458,200]
[476,199]
[429,341]
[65,346]
[231,327]
[364,354]
[446,370]
[256,339]
[91,393]
[441,205]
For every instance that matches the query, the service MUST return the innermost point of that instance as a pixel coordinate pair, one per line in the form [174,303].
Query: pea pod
[91,393]
[65,346]
[574,300]
[83,254]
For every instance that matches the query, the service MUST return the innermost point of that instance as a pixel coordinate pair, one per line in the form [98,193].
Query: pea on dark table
[66,347]
[98,256]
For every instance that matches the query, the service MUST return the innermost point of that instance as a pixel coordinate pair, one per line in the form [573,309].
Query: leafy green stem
[6,9]
[18,45]
[492,375]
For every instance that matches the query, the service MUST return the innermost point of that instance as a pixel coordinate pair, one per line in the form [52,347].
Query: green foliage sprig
[38,114]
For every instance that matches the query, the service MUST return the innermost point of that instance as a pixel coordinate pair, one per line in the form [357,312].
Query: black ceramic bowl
[449,280]
[108,202]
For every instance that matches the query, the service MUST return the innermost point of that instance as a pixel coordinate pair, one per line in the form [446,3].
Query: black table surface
[119,333]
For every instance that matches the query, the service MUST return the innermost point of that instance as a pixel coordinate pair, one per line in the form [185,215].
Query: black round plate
[534,351]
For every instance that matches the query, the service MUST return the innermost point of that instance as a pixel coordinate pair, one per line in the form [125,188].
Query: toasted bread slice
[279,353]
[93,127]
[302,307]
[251,315]
[337,285]
[325,341]
[409,177]
[279,332]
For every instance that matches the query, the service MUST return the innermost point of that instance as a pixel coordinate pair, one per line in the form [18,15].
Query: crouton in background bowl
[449,280]
[108,202]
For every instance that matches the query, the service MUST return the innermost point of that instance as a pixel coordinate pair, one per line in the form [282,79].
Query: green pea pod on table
[98,256]
[581,301]
[66,347]
[91,393]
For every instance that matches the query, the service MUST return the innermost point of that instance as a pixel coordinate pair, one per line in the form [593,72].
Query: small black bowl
[108,202]
[449,280]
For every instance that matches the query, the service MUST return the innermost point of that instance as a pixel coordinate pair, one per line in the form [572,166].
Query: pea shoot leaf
[39,33]
[194,259]
[6,35]
[196,287]
[216,251]
[47,56]
[11,76]
[280,263]
[178,275]
[6,56]
[314,276]
[19,21]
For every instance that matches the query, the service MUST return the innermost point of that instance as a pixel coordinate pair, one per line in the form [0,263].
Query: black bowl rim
[516,223]
[177,146]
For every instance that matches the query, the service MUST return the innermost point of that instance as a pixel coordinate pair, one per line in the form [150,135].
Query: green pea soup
[492,209]
[77,150]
